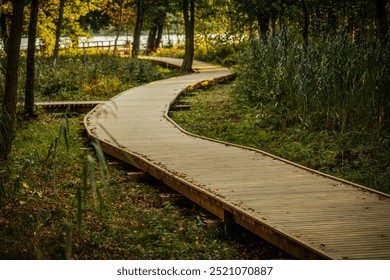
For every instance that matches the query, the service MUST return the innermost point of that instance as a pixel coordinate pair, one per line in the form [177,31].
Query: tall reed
[335,84]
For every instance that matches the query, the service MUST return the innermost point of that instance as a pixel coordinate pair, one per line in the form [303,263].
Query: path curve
[304,212]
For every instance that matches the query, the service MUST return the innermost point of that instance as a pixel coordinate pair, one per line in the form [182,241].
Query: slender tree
[189,22]
[31,49]
[332,18]
[160,31]
[1,10]
[305,32]
[58,31]
[263,19]
[8,117]
[155,33]
[138,28]
[4,25]
[383,21]
[156,21]
[119,26]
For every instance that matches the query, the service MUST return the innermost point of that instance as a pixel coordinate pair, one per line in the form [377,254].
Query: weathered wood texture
[63,106]
[306,213]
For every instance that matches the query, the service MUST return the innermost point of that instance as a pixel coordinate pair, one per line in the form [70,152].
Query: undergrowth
[220,114]
[334,84]
[62,199]
[92,77]
[217,52]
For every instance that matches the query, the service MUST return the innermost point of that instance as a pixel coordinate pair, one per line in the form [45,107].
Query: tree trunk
[263,24]
[169,43]
[384,37]
[4,28]
[332,18]
[138,29]
[7,121]
[160,31]
[305,32]
[189,21]
[155,34]
[273,24]
[252,33]
[119,27]
[383,22]
[31,49]
[150,46]
[58,31]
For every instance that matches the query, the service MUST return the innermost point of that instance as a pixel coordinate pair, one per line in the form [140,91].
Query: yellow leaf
[21,202]
[25,185]
[40,194]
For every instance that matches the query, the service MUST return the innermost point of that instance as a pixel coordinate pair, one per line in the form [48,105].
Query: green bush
[222,53]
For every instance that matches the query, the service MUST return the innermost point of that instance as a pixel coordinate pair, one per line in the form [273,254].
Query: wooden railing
[122,46]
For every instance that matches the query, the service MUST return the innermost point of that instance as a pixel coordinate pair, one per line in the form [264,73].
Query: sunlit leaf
[40,194]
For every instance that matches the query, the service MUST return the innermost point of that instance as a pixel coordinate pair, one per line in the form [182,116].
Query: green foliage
[174,51]
[93,211]
[30,180]
[337,85]
[217,51]
[48,16]
[89,77]
[219,113]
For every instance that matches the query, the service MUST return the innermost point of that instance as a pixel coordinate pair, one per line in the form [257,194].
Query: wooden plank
[293,207]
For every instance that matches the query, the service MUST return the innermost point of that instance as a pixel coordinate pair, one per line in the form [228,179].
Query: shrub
[85,77]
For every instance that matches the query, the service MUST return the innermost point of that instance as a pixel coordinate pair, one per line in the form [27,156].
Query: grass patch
[93,77]
[60,200]
[218,113]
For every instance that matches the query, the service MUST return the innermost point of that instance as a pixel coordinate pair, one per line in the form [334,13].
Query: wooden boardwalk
[63,106]
[306,213]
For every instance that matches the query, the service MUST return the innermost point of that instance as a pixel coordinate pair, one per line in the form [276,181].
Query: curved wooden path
[306,213]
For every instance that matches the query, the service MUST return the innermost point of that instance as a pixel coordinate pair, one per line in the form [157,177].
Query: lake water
[109,40]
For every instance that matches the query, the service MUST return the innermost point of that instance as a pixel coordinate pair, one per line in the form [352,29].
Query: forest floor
[57,201]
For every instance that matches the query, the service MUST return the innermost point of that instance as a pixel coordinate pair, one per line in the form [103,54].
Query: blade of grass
[85,183]
[68,241]
[97,195]
[91,164]
[79,209]
[102,163]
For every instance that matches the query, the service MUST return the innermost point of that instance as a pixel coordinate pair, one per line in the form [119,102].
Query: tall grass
[98,215]
[336,84]
[94,77]
[356,156]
